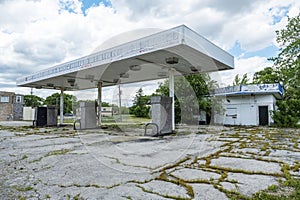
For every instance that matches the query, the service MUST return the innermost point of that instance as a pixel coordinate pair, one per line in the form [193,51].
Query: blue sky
[86,4]
[39,34]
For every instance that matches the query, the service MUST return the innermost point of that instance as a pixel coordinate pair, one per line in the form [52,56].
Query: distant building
[11,106]
[107,111]
[248,104]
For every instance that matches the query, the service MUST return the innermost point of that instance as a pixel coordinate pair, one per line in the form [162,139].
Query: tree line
[70,103]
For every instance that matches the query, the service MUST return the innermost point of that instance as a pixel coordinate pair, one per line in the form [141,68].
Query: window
[18,99]
[4,99]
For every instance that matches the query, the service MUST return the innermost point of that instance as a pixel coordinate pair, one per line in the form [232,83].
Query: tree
[190,96]
[288,64]
[54,100]
[105,104]
[140,107]
[241,81]
[267,75]
[288,59]
[286,71]
[33,100]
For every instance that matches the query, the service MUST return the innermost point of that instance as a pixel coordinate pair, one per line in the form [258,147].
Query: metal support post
[120,103]
[171,94]
[61,115]
[99,103]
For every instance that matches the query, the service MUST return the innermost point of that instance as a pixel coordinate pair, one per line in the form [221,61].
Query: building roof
[148,58]
[6,93]
[261,89]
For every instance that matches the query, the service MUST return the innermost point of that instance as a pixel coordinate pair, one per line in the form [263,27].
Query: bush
[287,114]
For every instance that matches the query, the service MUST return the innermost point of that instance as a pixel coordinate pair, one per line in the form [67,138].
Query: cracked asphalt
[199,162]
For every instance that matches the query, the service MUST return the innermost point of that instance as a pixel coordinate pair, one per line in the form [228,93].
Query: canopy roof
[148,58]
[274,89]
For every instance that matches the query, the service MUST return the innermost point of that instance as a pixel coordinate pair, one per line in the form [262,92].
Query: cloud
[36,34]
[242,66]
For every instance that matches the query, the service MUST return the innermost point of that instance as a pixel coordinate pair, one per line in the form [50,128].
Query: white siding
[243,109]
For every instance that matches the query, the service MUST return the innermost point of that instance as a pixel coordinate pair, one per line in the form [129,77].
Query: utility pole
[120,103]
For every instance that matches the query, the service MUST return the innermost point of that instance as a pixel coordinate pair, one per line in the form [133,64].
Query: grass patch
[287,190]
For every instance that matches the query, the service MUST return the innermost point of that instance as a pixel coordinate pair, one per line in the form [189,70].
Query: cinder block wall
[6,108]
[18,106]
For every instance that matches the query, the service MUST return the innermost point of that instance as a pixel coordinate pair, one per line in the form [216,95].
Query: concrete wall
[244,109]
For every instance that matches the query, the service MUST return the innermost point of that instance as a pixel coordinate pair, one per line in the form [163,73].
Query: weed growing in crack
[223,176]
[20,197]
[175,164]
[296,167]
[22,189]
[112,186]
[162,195]
[164,177]
[57,152]
[24,157]
[286,171]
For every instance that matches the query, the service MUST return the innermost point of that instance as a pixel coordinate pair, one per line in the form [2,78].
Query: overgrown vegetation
[140,107]
[286,71]
[287,190]
[191,93]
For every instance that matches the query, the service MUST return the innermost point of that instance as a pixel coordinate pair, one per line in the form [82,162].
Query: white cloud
[38,34]
[242,66]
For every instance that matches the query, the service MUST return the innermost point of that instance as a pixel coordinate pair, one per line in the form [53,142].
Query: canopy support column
[120,103]
[61,115]
[99,101]
[171,94]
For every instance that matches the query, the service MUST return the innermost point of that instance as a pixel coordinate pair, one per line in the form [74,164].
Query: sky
[37,34]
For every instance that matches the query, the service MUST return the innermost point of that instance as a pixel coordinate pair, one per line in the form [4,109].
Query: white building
[107,111]
[248,104]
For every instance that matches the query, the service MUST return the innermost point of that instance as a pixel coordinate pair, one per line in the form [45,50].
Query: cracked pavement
[199,162]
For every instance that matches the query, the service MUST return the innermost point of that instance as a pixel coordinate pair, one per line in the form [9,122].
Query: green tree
[288,59]
[54,100]
[286,71]
[287,63]
[140,107]
[241,81]
[190,95]
[33,100]
[267,75]
[105,104]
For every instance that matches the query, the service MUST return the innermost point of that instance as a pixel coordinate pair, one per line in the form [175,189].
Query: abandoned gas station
[175,52]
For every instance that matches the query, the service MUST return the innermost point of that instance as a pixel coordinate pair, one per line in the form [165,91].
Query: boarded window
[231,112]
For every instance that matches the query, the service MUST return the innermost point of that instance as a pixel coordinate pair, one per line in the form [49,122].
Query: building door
[263,115]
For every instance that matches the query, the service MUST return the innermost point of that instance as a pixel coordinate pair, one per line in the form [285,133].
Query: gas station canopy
[148,58]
